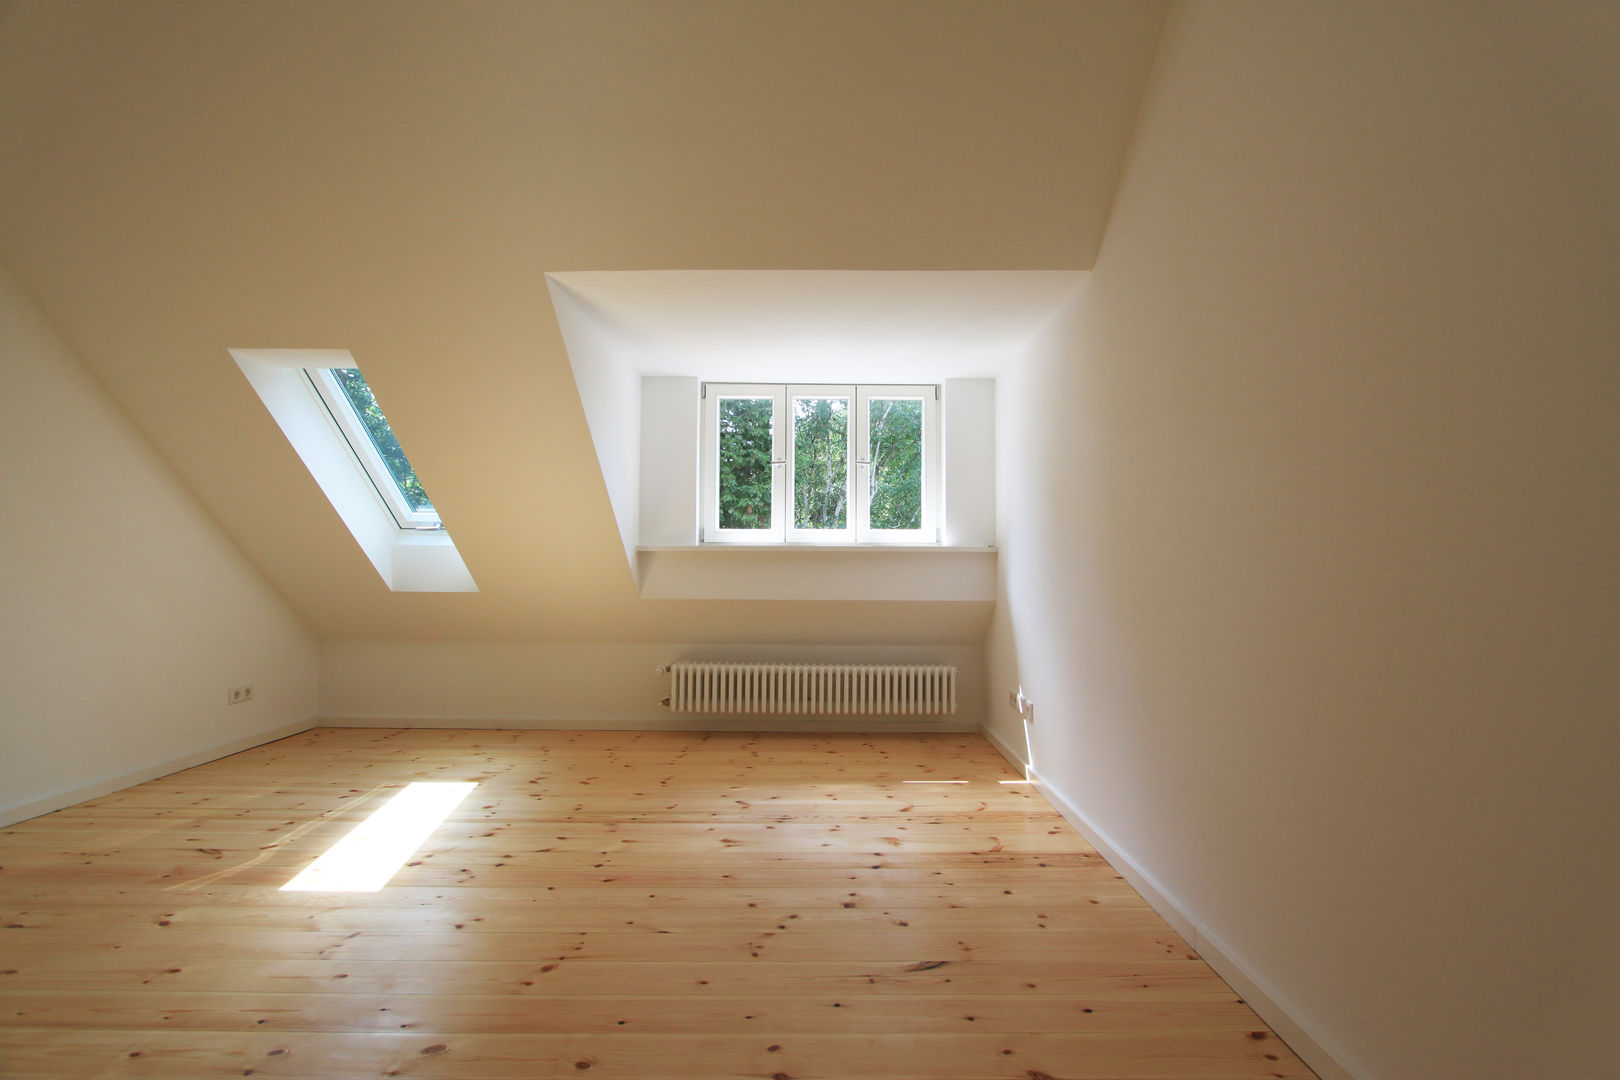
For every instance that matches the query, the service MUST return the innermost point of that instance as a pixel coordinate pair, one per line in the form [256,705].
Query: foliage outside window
[896,444]
[745,462]
[382,438]
[820,463]
[354,409]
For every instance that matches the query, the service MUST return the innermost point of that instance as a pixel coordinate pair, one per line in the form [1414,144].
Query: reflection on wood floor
[604,904]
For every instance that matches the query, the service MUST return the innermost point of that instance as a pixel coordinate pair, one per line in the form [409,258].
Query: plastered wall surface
[125,614]
[610,394]
[591,685]
[671,421]
[1308,526]
[970,461]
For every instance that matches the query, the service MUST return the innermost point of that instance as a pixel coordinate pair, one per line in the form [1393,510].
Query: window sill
[819,572]
[775,546]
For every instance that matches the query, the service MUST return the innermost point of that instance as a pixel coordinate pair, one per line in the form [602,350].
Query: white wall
[811,573]
[671,441]
[969,453]
[125,614]
[610,393]
[1315,567]
[551,684]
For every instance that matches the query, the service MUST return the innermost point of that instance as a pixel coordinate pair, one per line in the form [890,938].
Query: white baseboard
[1013,756]
[10,815]
[855,725]
[1300,1036]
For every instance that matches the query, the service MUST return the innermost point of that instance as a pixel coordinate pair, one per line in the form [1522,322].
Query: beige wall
[125,614]
[1310,547]
[591,685]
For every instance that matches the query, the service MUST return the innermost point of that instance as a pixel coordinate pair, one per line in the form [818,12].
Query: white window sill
[775,546]
[840,572]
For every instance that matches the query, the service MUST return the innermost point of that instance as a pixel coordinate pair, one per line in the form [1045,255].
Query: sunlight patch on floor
[375,849]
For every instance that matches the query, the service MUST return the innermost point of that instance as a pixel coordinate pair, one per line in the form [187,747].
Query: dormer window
[820,464]
[354,409]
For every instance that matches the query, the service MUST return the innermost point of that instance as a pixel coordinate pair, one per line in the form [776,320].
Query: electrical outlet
[238,694]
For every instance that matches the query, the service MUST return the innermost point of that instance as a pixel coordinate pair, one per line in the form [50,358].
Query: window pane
[820,462]
[745,462]
[895,429]
[382,436]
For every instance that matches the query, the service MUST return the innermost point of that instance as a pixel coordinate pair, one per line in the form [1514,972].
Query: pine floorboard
[616,905]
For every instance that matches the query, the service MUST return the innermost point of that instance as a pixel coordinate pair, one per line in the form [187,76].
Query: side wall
[125,614]
[1314,574]
[671,426]
[610,393]
[969,453]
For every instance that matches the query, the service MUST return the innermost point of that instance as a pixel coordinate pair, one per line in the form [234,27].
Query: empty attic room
[809,539]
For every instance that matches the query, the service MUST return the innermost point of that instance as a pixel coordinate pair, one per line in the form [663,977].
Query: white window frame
[712,395]
[341,410]
[861,482]
[820,536]
[782,465]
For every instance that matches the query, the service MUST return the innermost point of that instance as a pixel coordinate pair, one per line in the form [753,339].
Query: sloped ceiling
[396,179]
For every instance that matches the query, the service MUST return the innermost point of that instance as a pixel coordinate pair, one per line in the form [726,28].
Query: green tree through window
[895,441]
[808,463]
[382,436]
[745,462]
[820,462]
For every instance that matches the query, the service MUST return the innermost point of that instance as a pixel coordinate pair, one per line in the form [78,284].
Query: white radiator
[849,689]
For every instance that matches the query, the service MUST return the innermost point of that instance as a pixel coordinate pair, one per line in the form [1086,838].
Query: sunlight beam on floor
[375,849]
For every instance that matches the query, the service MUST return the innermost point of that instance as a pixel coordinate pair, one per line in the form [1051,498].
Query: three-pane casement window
[820,464]
[354,409]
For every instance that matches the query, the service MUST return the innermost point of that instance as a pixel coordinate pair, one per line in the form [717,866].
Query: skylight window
[354,408]
[324,406]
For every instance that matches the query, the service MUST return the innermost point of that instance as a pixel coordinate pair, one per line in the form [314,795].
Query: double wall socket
[1025,707]
[238,694]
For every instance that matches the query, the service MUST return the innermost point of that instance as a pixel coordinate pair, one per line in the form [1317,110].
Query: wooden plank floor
[605,904]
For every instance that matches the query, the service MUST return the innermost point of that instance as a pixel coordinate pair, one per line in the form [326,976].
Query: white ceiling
[819,325]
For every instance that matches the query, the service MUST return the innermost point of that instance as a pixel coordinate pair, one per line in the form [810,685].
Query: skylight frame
[325,386]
